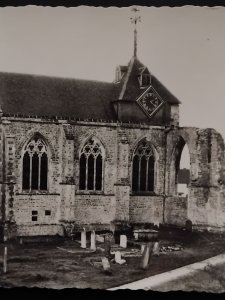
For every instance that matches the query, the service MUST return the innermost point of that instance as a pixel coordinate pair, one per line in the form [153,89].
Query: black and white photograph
[112,150]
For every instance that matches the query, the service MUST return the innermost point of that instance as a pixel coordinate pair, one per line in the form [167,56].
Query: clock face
[150,102]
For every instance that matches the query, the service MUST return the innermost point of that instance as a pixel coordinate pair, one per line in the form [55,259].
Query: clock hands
[150,102]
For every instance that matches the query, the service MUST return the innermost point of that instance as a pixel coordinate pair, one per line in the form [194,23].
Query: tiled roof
[85,99]
[52,96]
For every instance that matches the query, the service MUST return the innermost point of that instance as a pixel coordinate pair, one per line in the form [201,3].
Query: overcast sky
[184,47]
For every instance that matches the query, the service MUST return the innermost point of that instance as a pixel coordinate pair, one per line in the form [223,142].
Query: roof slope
[35,95]
[131,88]
[52,96]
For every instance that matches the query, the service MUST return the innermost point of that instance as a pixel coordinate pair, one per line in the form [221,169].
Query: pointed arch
[155,147]
[91,163]
[97,139]
[177,152]
[175,160]
[35,155]
[143,167]
[29,136]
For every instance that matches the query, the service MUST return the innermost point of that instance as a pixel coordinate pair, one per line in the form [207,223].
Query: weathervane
[134,20]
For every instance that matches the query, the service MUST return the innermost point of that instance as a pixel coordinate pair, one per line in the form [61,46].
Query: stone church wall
[176,209]
[24,205]
[146,209]
[205,206]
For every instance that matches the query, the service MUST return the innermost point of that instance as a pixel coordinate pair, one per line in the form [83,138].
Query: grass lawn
[210,280]
[46,265]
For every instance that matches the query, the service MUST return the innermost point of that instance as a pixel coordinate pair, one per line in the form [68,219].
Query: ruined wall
[205,204]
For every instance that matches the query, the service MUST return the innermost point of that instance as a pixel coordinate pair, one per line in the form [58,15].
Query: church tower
[142,98]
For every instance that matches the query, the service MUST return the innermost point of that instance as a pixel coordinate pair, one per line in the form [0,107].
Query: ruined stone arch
[174,159]
[177,153]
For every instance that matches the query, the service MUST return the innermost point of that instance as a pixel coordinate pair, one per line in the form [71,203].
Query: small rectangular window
[34,215]
[48,213]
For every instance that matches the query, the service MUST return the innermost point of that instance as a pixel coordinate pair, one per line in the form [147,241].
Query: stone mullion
[139,172]
[94,183]
[86,170]
[147,166]
[103,166]
[39,170]
[31,156]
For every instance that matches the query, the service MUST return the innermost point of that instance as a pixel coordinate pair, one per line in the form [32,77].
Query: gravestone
[100,238]
[105,264]
[118,259]
[135,235]
[123,241]
[146,256]
[112,228]
[5,260]
[117,256]
[142,248]
[93,240]
[188,225]
[83,239]
[156,249]
[109,240]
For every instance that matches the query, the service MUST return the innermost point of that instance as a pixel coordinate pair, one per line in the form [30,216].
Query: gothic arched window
[143,168]
[35,165]
[91,166]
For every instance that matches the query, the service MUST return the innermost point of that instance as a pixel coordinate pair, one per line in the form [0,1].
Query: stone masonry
[204,207]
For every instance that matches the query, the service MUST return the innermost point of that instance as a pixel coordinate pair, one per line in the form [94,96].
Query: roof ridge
[130,67]
[53,77]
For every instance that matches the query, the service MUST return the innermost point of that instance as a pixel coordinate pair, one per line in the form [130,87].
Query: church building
[80,153]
